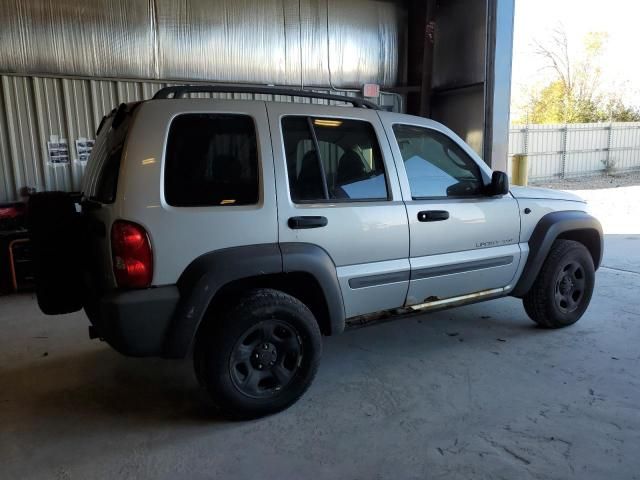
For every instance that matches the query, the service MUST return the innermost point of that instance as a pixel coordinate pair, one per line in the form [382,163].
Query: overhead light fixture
[323,122]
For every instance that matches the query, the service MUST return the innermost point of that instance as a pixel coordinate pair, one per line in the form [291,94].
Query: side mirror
[499,184]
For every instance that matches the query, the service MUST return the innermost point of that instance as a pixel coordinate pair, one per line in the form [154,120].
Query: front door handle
[297,223]
[432,215]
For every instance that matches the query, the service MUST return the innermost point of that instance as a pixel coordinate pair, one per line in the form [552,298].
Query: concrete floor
[477,392]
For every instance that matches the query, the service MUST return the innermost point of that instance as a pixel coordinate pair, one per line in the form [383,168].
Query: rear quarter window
[211,160]
[101,176]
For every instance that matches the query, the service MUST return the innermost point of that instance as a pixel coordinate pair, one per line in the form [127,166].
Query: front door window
[436,166]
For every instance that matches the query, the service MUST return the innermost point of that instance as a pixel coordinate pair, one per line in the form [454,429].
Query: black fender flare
[208,273]
[548,229]
[309,258]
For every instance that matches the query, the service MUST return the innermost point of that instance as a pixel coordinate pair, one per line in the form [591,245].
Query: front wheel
[563,289]
[260,356]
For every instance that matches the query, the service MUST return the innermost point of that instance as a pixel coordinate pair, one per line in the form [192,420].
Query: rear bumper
[135,322]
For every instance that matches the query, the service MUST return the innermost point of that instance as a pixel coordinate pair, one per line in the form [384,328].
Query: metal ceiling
[283,42]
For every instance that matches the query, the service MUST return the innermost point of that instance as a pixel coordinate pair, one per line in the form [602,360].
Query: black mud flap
[58,239]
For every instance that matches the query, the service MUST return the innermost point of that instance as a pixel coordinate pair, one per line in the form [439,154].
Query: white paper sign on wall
[58,150]
[84,147]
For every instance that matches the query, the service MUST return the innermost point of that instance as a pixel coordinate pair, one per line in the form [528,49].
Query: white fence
[579,149]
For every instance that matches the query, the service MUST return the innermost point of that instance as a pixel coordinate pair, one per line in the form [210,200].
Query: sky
[621,58]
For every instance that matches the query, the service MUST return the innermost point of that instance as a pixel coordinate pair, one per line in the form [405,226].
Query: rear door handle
[298,223]
[432,215]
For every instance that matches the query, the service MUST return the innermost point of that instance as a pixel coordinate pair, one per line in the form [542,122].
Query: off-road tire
[551,302]
[228,335]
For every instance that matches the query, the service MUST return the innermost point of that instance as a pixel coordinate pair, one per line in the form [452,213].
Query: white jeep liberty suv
[240,231]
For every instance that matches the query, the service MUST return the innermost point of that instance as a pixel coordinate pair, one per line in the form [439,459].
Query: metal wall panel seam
[12,122]
[71,117]
[42,99]
[6,169]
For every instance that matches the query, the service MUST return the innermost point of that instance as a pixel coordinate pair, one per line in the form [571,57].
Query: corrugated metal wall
[559,151]
[33,109]
[63,62]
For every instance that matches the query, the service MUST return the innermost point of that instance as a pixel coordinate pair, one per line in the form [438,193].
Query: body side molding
[430,272]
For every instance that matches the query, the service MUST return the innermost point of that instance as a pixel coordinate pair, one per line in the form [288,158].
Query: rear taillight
[132,255]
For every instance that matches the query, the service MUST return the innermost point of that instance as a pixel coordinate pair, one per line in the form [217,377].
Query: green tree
[555,104]
[614,109]
[575,94]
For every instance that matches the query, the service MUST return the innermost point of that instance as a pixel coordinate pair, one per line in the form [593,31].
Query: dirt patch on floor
[623,179]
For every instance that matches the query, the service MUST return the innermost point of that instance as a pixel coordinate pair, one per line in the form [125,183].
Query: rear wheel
[563,289]
[260,356]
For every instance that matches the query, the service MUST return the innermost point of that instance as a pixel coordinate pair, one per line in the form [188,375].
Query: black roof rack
[179,91]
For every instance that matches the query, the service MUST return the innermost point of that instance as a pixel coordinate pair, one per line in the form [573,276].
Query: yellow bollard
[515,169]
[520,170]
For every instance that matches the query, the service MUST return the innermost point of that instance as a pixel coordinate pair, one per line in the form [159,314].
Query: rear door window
[330,159]
[211,159]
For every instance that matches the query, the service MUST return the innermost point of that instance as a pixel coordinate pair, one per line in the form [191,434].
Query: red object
[10,212]
[12,263]
[132,255]
[371,90]
[12,216]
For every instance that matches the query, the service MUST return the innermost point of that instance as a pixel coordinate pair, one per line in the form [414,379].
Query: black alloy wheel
[570,286]
[259,355]
[265,359]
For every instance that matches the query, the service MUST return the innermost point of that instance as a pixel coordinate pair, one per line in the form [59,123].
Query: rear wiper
[104,118]
[90,204]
